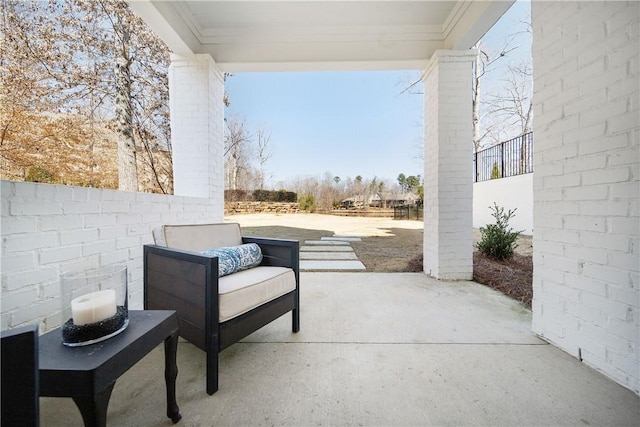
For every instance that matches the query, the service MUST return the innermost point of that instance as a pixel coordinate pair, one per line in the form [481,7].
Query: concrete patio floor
[377,349]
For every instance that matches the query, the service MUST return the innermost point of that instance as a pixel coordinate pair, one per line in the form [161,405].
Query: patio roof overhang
[211,37]
[319,35]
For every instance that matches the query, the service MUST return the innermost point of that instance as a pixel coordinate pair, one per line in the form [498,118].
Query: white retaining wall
[586,183]
[515,192]
[48,229]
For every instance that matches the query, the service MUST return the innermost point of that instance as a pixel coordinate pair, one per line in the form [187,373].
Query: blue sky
[345,123]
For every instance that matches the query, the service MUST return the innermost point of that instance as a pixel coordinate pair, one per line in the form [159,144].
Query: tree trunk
[234,173]
[127,166]
[476,105]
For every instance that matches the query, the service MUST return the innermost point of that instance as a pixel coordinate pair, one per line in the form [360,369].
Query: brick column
[448,175]
[196,89]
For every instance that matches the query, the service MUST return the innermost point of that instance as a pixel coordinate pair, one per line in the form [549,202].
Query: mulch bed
[512,277]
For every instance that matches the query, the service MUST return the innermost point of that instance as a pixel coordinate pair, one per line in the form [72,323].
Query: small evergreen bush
[307,203]
[495,172]
[498,240]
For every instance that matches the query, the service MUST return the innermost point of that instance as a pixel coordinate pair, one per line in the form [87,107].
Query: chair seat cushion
[247,289]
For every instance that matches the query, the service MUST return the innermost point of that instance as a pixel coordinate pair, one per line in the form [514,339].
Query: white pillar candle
[93,307]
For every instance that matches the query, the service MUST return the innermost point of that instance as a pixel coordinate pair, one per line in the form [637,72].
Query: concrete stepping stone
[326,249]
[328,256]
[326,242]
[342,239]
[332,265]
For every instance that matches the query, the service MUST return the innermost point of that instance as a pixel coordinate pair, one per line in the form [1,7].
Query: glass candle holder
[94,305]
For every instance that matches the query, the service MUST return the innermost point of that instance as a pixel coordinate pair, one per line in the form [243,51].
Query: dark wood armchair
[207,306]
[20,377]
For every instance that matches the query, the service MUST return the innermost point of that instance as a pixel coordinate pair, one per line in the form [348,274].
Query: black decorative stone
[74,334]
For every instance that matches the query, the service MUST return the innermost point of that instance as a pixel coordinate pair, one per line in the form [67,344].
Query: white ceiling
[319,35]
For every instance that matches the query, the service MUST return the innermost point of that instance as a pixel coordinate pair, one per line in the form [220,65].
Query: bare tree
[89,65]
[481,66]
[264,152]
[236,152]
[514,104]
[127,165]
[489,122]
[506,111]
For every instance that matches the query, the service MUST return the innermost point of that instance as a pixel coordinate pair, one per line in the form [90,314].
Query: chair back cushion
[200,237]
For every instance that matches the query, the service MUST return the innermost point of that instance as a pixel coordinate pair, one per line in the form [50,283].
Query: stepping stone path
[330,253]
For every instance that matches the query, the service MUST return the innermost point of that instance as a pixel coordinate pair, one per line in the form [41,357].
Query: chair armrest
[184,281]
[278,252]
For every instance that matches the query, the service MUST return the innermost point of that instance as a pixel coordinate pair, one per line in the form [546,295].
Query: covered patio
[209,39]
[414,348]
[585,68]
[377,349]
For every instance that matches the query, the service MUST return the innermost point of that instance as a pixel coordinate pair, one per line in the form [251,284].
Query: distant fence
[509,158]
[408,212]
[366,213]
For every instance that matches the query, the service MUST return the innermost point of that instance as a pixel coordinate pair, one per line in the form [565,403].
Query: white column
[448,175]
[196,88]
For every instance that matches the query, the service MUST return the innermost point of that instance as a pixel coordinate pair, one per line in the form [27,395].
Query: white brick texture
[587,184]
[448,189]
[197,126]
[40,241]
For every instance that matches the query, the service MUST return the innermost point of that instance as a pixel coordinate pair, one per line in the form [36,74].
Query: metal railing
[408,212]
[509,158]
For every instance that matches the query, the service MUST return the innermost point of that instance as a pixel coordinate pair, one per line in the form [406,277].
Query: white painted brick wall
[448,213]
[587,182]
[197,126]
[48,229]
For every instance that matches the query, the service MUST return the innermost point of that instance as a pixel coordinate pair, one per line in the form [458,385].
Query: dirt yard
[392,246]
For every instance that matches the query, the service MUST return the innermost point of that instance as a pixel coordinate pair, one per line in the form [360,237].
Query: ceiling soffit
[300,35]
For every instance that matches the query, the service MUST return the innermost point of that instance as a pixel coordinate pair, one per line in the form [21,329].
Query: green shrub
[307,203]
[274,196]
[287,196]
[498,240]
[495,172]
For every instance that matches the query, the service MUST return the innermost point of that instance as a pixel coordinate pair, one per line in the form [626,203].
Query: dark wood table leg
[170,375]
[94,410]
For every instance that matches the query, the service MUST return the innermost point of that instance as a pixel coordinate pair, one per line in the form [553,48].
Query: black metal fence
[509,158]
[408,212]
